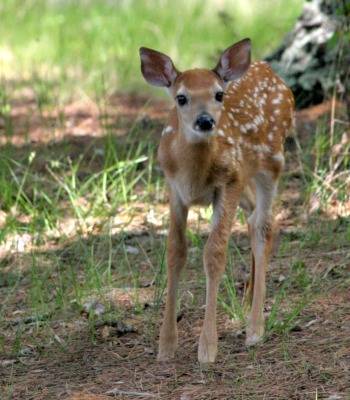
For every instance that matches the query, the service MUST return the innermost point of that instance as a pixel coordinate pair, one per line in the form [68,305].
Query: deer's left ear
[234,61]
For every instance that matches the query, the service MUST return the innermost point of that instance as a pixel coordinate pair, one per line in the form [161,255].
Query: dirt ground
[310,361]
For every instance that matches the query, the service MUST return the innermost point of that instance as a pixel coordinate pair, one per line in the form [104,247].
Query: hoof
[207,351]
[254,331]
[253,340]
[164,356]
[167,350]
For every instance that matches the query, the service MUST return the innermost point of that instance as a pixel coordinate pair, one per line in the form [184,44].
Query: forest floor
[81,304]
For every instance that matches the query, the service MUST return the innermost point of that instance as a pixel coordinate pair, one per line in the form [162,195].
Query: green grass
[64,49]
[75,188]
[61,203]
[93,44]
[284,314]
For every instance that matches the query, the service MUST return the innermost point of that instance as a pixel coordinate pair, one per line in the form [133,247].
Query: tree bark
[314,57]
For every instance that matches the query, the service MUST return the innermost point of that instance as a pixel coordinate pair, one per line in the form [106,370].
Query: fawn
[223,145]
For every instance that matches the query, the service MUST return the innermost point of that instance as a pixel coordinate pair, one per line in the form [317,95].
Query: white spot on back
[279,157]
[242,129]
[221,132]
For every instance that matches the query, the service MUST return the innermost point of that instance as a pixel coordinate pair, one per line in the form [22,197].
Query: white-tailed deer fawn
[223,144]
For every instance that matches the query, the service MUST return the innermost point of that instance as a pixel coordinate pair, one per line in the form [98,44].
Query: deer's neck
[193,162]
[195,158]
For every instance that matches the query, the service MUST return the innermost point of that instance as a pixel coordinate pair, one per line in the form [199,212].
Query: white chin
[195,136]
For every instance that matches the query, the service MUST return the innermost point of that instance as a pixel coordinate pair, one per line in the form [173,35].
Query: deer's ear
[234,61]
[157,68]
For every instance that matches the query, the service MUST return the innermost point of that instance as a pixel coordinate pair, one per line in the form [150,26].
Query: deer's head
[198,93]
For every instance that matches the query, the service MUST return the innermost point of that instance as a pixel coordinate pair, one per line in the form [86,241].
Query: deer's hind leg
[248,204]
[261,236]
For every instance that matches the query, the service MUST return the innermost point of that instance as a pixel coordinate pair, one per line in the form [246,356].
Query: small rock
[99,151]
[239,333]
[149,350]
[93,306]
[132,250]
[106,332]
[152,220]
[121,327]
[26,352]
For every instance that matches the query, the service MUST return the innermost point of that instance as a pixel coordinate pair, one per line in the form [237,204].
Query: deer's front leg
[214,265]
[176,257]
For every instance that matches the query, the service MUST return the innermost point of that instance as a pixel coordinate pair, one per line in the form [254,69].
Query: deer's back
[258,115]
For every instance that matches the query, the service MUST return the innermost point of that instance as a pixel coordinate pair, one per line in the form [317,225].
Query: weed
[232,306]
[160,279]
[228,299]
[281,320]
[300,276]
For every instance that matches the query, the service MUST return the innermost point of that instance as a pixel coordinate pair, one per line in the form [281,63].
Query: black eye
[219,96]
[181,99]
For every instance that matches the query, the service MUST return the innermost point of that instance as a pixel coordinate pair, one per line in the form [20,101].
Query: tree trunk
[314,57]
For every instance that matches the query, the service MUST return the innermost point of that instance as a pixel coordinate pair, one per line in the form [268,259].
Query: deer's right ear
[157,68]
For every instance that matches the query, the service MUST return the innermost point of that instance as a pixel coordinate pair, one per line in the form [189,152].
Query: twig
[340,121]
[337,176]
[116,392]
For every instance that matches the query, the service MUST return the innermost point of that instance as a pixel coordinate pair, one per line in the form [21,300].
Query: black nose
[205,122]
